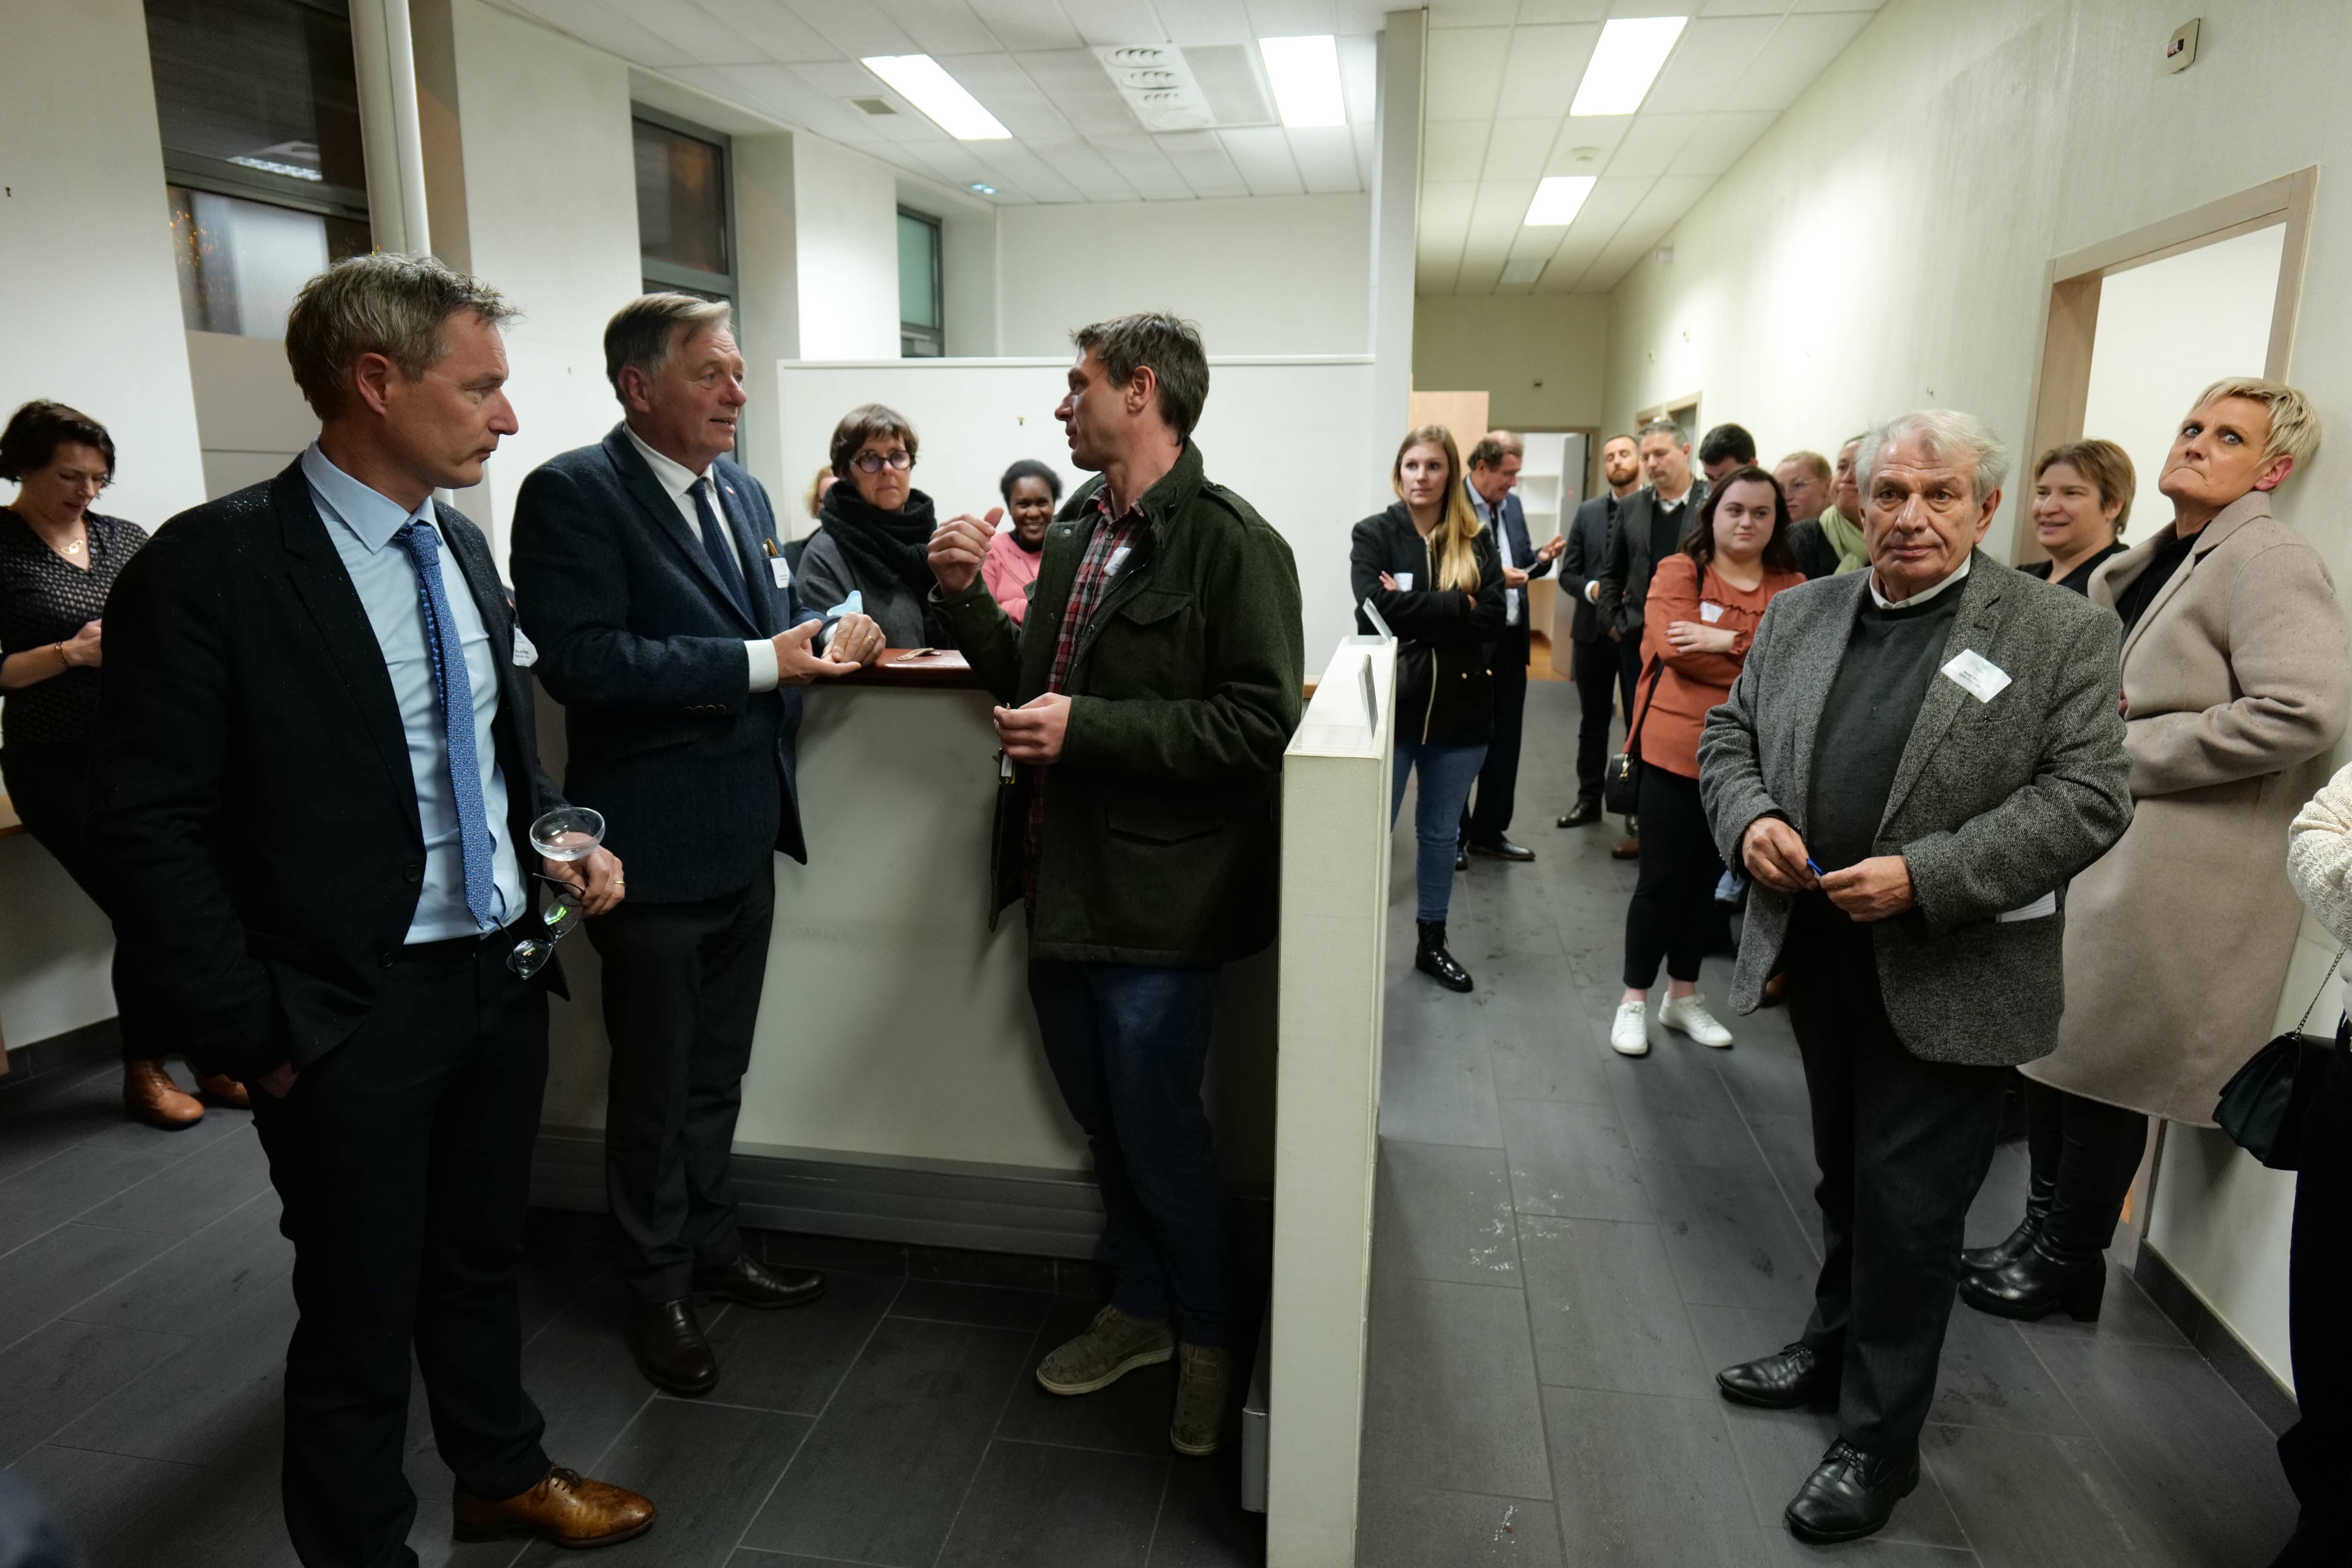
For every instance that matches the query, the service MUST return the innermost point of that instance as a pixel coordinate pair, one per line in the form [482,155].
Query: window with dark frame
[922,317]
[258,102]
[685,237]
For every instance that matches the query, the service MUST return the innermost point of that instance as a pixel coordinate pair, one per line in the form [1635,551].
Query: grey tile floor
[1568,1243]
[144,1310]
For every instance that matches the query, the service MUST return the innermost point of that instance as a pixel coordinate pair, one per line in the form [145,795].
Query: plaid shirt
[1113,536]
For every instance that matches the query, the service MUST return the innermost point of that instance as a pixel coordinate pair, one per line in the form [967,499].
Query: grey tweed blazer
[1995,803]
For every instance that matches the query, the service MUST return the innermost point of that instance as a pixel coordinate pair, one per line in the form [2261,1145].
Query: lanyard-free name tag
[1404,580]
[1978,676]
[1117,559]
[1709,612]
[782,573]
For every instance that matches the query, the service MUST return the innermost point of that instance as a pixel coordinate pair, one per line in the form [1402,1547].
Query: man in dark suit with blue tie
[649,572]
[1493,474]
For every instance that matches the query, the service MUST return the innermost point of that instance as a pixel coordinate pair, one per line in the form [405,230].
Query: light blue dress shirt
[1492,516]
[362,522]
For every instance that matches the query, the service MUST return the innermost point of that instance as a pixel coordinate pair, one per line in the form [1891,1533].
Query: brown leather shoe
[667,1340]
[1626,848]
[149,1095]
[565,1508]
[223,1090]
[750,1283]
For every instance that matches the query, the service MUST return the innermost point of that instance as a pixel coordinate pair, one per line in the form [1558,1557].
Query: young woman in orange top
[1699,619]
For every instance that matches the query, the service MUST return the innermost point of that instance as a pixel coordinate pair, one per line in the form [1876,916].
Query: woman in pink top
[1031,490]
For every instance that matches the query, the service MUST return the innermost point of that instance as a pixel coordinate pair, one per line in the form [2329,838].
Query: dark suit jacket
[1996,805]
[642,644]
[251,780]
[1512,518]
[1634,557]
[1581,561]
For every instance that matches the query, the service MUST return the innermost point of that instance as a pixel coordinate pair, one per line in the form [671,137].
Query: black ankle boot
[2039,1196]
[2039,1281]
[1432,958]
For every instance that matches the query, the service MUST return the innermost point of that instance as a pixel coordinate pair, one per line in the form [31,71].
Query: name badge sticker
[1710,611]
[781,571]
[1403,581]
[1117,559]
[1977,675]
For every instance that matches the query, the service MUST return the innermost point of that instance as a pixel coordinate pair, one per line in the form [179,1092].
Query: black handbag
[1620,781]
[2263,1105]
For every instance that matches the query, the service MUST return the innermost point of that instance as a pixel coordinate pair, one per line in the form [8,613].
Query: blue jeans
[1447,774]
[1129,1043]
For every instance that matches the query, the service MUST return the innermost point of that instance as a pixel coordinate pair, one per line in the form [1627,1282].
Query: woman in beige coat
[2235,686]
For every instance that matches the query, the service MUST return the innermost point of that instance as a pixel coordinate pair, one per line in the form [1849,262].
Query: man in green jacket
[1147,700]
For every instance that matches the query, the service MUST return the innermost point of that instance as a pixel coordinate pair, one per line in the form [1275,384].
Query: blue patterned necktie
[720,547]
[454,692]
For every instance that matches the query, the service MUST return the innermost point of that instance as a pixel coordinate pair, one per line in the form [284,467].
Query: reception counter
[896,1090]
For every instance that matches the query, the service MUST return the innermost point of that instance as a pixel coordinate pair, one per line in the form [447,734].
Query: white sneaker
[1629,1031]
[1689,1014]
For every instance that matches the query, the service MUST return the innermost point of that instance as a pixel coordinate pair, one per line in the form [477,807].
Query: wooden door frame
[2062,377]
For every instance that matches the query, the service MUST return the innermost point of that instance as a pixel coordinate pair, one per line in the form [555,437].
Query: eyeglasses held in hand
[874,462]
[568,834]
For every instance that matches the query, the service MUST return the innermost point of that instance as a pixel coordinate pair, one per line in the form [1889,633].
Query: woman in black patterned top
[58,561]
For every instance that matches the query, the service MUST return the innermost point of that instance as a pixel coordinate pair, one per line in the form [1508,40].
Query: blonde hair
[2104,464]
[1450,543]
[1813,463]
[2294,424]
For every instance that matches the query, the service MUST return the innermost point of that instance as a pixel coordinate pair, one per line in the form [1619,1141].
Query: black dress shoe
[1850,1494]
[1501,849]
[1432,958]
[1788,1379]
[1582,814]
[1461,859]
[2038,1282]
[668,1341]
[752,1283]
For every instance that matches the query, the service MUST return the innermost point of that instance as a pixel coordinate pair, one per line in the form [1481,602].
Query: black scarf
[881,546]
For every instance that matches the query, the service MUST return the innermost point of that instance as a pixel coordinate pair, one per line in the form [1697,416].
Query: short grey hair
[1662,427]
[384,303]
[1955,436]
[645,331]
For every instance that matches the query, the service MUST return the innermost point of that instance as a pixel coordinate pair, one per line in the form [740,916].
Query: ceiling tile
[1812,5]
[1086,169]
[1141,164]
[942,26]
[1454,150]
[1206,168]
[1326,156]
[1500,212]
[1116,21]
[1519,149]
[1190,22]
[1472,13]
[856,31]
[1743,8]
[1480,273]
[1074,82]
[1263,156]
[848,79]
[1707,63]
[595,22]
[1596,135]
[777,33]
[1291,18]
[1613,200]
[1545,64]
[779,92]
[1716,142]
[1652,143]
[1005,90]
[1020,167]
[1025,24]
[1465,73]
[1532,11]
[1787,65]
[1445,213]
[1360,77]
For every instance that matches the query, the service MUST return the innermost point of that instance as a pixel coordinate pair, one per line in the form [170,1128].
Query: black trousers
[47,783]
[681,995]
[2091,1151]
[402,1160]
[1599,674]
[1903,1145]
[1672,913]
[1489,815]
[2316,1451]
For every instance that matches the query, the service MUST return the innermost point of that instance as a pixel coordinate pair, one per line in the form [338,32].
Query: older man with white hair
[1911,765]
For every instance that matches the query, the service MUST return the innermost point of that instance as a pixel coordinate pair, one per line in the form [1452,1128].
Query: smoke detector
[1203,89]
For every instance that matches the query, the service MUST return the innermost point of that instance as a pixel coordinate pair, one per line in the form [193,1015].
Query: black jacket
[251,780]
[639,640]
[1445,636]
[1580,559]
[1634,556]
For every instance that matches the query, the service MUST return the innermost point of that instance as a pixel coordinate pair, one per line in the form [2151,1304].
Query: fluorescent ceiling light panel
[1558,198]
[1305,76]
[925,83]
[1523,270]
[1632,51]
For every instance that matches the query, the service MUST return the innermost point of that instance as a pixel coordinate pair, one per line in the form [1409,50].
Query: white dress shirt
[1492,516]
[1921,597]
[678,480]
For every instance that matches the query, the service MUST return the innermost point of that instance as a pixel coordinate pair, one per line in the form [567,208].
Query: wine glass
[568,834]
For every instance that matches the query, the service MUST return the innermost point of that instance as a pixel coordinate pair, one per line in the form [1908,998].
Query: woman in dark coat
[875,531]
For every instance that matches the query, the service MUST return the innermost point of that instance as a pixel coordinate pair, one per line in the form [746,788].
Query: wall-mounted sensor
[2181,52]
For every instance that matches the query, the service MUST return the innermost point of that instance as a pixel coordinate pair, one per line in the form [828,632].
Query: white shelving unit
[1551,481]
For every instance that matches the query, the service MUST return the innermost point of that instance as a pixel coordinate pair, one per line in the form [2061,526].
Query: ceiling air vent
[874,105]
[1174,90]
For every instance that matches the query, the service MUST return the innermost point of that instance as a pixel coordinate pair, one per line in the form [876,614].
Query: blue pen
[1816,870]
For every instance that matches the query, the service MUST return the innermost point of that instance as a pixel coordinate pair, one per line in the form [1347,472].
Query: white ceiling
[1501,73]
[1500,76]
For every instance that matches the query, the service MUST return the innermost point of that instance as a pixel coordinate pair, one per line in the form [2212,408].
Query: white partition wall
[1335,876]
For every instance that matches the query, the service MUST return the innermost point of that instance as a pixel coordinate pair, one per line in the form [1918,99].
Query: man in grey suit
[1913,763]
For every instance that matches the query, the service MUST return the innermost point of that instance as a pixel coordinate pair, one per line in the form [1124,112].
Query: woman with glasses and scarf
[875,531]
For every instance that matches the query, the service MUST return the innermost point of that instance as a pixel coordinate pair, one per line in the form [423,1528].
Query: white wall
[1541,359]
[249,411]
[551,222]
[845,209]
[1268,275]
[1882,245]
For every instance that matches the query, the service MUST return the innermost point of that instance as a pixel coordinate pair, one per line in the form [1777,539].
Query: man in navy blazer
[649,572]
[1493,474]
